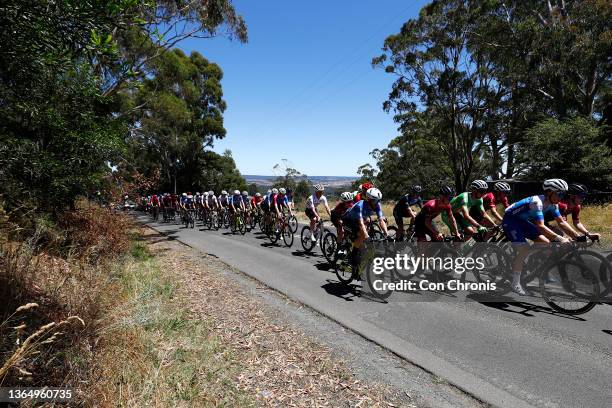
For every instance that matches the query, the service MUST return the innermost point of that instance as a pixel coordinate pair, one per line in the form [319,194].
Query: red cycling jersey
[565,208]
[432,208]
[256,200]
[489,202]
[155,200]
[341,207]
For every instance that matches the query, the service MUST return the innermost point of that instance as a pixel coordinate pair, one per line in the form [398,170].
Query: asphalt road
[509,355]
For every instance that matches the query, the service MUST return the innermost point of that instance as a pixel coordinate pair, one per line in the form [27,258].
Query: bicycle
[188,218]
[237,223]
[565,282]
[279,227]
[306,235]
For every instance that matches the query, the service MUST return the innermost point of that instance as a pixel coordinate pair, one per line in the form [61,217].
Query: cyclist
[235,203]
[424,224]
[155,206]
[256,201]
[525,220]
[290,197]
[279,204]
[312,203]
[356,217]
[223,199]
[461,206]
[211,201]
[346,202]
[571,205]
[490,201]
[403,208]
[361,193]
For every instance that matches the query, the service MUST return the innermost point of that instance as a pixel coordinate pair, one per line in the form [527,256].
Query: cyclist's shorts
[518,230]
[462,223]
[420,229]
[399,215]
[336,218]
[309,213]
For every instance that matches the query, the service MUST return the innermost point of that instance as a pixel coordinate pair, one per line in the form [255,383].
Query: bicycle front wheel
[330,244]
[569,287]
[293,223]
[306,238]
[287,235]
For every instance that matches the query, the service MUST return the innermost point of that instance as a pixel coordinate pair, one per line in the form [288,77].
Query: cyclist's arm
[566,227]
[547,232]
[496,215]
[466,214]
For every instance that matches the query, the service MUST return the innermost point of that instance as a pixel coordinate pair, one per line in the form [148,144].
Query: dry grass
[276,363]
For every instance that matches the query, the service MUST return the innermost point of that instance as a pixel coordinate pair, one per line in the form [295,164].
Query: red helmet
[367,186]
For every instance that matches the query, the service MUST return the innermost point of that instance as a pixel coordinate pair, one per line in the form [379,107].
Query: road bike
[306,235]
[237,222]
[277,227]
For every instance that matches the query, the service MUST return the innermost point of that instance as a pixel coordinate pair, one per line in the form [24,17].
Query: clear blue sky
[302,88]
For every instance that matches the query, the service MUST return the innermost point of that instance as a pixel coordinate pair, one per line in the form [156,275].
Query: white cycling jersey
[314,201]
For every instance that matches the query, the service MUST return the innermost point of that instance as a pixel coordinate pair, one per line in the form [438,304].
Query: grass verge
[154,353]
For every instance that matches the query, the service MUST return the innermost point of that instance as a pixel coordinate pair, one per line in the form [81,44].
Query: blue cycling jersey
[362,210]
[532,209]
[235,199]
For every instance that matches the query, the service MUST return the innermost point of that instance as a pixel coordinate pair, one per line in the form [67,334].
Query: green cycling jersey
[466,200]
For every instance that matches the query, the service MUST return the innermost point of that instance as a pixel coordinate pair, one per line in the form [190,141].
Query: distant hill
[330,181]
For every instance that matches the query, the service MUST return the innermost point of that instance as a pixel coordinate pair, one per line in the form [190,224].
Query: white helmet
[502,186]
[223,192]
[190,196]
[374,194]
[319,187]
[479,185]
[184,194]
[236,192]
[282,190]
[211,192]
[197,193]
[257,194]
[555,184]
[346,196]
[275,191]
[245,193]
[206,193]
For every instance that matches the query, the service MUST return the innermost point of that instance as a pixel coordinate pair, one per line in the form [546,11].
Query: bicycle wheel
[272,234]
[287,235]
[345,271]
[233,224]
[375,284]
[569,287]
[330,244]
[497,264]
[306,238]
[242,227]
[392,230]
[293,223]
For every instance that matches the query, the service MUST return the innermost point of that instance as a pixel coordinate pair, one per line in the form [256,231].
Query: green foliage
[219,172]
[574,148]
[473,77]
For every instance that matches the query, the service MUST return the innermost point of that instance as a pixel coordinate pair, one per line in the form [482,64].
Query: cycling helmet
[447,190]
[416,189]
[366,186]
[184,194]
[346,196]
[245,193]
[479,185]
[205,193]
[236,192]
[282,191]
[275,191]
[257,194]
[211,192]
[502,186]
[223,192]
[373,194]
[189,196]
[319,187]
[197,193]
[556,185]
[577,189]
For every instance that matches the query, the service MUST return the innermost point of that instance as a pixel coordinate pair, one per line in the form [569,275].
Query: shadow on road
[522,308]
[324,266]
[338,289]
[607,331]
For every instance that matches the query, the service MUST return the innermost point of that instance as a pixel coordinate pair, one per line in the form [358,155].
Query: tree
[219,172]
[574,148]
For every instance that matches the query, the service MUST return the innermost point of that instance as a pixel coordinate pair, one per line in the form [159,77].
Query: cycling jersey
[223,200]
[235,199]
[519,218]
[281,200]
[404,203]
[362,210]
[256,200]
[245,200]
[490,203]
[339,210]
[313,201]
[532,209]
[357,197]
[465,200]
[432,208]
[565,209]
[155,200]
[212,199]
